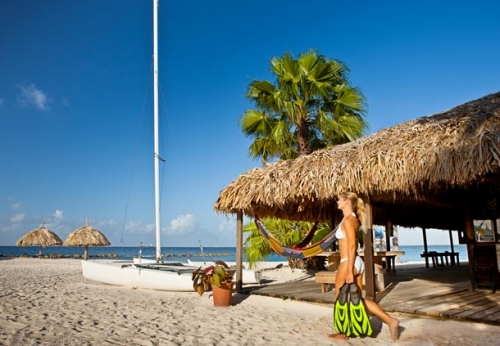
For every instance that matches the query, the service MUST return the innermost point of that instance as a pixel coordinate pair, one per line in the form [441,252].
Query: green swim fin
[341,312]
[360,321]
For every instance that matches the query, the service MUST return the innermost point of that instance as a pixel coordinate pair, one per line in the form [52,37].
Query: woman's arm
[350,226]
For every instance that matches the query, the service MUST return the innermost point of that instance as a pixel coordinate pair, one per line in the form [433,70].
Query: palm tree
[310,106]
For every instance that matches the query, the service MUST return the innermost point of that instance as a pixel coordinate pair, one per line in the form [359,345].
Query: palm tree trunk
[315,263]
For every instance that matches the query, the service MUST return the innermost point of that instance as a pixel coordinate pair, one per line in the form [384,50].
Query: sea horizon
[195,253]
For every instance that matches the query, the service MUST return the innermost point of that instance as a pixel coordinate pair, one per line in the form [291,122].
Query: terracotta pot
[222,295]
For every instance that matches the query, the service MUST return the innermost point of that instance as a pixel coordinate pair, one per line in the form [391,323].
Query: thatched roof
[424,165]
[86,235]
[39,237]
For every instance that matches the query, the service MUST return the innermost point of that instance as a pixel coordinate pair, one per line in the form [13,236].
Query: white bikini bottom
[358,264]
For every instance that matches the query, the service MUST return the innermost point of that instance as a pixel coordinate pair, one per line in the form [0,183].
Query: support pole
[239,252]
[368,240]
[451,241]
[424,235]
[452,248]
[469,230]
[388,234]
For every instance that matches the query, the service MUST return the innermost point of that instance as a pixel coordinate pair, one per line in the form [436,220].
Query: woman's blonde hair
[358,206]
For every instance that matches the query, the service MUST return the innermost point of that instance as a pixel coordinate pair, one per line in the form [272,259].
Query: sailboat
[143,273]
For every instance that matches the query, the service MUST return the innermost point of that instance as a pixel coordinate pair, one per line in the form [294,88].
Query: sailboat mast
[156,130]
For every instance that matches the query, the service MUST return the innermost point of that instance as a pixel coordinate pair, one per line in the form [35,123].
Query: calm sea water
[412,252]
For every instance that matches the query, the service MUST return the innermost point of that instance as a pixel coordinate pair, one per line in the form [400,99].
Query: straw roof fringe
[86,235]
[41,237]
[425,162]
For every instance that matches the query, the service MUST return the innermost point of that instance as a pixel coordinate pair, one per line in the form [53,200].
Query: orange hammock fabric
[304,252]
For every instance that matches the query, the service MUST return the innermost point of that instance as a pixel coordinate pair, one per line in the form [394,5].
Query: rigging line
[136,150]
[171,132]
[159,157]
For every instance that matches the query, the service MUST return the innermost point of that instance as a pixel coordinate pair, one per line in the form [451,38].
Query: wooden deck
[443,292]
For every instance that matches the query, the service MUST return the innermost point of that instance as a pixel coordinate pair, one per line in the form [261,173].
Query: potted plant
[218,278]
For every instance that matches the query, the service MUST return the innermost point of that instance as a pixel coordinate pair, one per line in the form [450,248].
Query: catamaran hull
[121,274]
[249,276]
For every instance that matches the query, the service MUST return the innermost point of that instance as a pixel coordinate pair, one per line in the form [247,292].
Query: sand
[48,302]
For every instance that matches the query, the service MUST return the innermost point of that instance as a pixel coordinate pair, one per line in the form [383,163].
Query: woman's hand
[350,277]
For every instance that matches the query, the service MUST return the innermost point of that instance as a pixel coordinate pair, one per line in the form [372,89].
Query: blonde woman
[351,266]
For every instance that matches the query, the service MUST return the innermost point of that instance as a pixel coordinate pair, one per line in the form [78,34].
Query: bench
[327,278]
[439,258]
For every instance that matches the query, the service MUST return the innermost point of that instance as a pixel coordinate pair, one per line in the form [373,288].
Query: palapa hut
[85,236]
[440,171]
[39,237]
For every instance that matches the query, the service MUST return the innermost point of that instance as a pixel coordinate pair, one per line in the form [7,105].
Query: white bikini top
[340,234]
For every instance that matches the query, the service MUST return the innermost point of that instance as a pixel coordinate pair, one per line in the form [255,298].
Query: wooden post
[395,241]
[451,241]
[239,252]
[469,230]
[424,235]
[388,234]
[368,239]
[452,248]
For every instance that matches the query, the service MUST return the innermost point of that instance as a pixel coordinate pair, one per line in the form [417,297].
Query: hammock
[307,239]
[304,252]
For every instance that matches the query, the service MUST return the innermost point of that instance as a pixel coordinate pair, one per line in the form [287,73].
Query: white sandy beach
[48,302]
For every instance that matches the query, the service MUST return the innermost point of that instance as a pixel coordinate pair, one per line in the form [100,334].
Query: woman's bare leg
[392,323]
[339,281]
[375,309]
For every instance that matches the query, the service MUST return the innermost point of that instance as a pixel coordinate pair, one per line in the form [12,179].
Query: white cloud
[181,225]
[227,225]
[58,215]
[31,96]
[106,223]
[17,218]
[16,206]
[2,102]
[139,228]
[54,220]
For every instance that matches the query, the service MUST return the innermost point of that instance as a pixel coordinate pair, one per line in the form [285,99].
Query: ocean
[210,254]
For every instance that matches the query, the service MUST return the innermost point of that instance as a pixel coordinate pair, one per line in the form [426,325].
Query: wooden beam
[469,229]
[368,240]
[388,234]
[239,252]
[424,235]
[452,247]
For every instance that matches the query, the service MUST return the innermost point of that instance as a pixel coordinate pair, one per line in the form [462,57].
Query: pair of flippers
[350,315]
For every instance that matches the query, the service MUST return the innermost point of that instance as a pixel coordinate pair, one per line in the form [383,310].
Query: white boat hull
[249,276]
[169,278]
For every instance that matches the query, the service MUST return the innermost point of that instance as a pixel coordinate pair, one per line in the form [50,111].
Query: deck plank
[478,307]
[443,292]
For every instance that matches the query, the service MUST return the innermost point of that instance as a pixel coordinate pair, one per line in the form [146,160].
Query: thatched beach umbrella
[85,236]
[41,237]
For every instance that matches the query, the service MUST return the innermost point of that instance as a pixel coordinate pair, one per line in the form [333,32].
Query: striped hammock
[305,252]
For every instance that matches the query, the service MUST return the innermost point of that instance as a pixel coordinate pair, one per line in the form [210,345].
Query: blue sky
[75,98]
